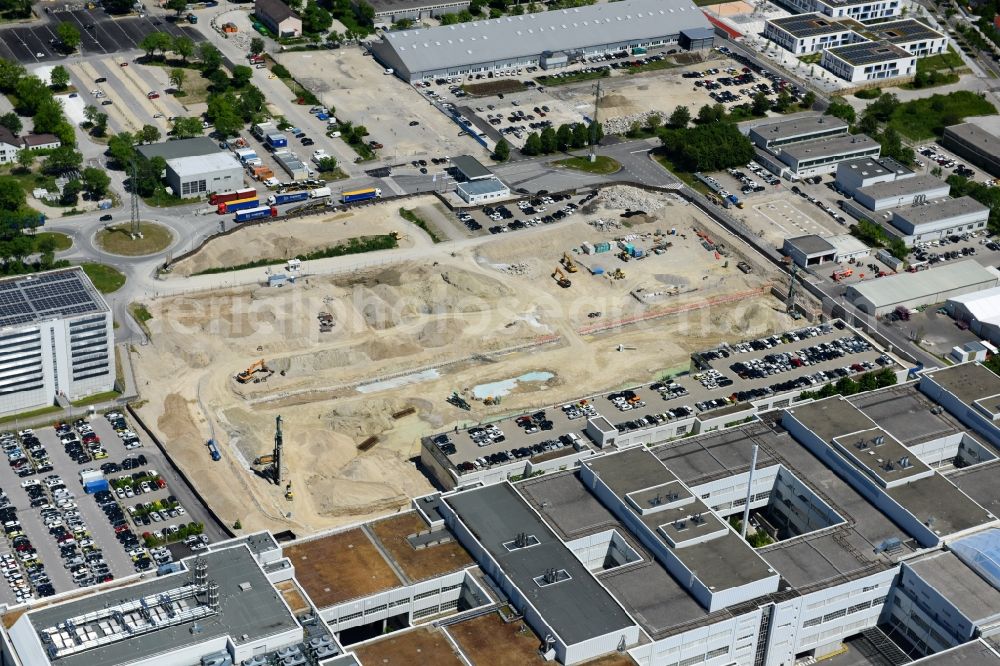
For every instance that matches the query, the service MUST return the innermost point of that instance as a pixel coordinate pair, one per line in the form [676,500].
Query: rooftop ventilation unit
[904,462]
[256,660]
[879,440]
[217,659]
[697,519]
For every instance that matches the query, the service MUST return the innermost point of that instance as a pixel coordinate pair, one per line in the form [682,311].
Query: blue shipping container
[97,486]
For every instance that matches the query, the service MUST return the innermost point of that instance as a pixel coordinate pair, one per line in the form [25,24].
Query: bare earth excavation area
[406,335]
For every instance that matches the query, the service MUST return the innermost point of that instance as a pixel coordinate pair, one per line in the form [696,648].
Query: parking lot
[523,213]
[730,375]
[105,35]
[59,537]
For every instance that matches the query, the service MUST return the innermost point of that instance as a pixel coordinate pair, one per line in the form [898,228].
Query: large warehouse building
[56,339]
[911,290]
[975,144]
[196,167]
[480,47]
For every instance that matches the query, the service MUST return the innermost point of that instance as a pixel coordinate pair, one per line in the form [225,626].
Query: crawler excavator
[568,262]
[251,373]
[561,279]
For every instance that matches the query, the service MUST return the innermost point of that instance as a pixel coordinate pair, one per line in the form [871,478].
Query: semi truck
[232,195]
[288,197]
[256,213]
[360,195]
[320,192]
[238,204]
[213,450]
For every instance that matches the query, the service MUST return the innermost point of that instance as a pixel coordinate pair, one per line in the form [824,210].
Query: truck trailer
[238,204]
[223,197]
[288,197]
[320,192]
[256,213]
[360,195]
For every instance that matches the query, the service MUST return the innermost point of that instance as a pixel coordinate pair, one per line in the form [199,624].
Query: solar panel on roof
[29,298]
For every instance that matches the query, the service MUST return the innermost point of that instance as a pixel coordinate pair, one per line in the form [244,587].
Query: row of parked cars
[651,420]
[578,410]
[141,560]
[25,453]
[770,342]
[712,379]
[776,363]
[80,442]
[533,423]
[520,453]
[23,571]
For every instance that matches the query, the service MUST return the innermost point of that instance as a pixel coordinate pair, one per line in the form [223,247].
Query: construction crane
[791,292]
[248,374]
[561,279]
[276,454]
[568,262]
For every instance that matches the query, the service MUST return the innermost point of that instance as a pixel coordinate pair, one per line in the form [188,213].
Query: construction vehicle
[568,262]
[457,400]
[251,373]
[263,460]
[288,492]
[561,279]
[618,274]
[837,276]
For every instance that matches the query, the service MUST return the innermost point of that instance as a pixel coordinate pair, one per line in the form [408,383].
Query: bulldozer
[561,279]
[568,262]
[250,374]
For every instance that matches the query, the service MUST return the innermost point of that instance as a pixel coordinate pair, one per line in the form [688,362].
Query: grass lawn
[685,176]
[927,117]
[106,278]
[96,398]
[572,77]
[161,199]
[23,416]
[941,79]
[141,316]
[117,239]
[63,242]
[666,63]
[947,60]
[411,216]
[494,87]
[602,165]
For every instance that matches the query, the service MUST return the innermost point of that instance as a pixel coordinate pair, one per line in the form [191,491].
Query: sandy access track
[456,315]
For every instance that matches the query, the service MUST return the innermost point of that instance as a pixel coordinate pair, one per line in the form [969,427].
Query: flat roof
[392,6]
[983,305]
[868,53]
[906,413]
[787,129]
[809,25]
[936,502]
[577,608]
[937,211]
[487,186]
[65,292]
[810,244]
[974,653]
[985,141]
[195,165]
[434,559]
[972,595]
[969,382]
[170,150]
[903,31]
[847,244]
[867,166]
[470,167]
[489,40]
[904,187]
[248,604]
[834,145]
[914,286]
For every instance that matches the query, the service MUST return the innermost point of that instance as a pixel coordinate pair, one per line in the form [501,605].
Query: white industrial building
[847,248]
[901,192]
[774,134]
[853,175]
[934,220]
[869,61]
[388,12]
[809,146]
[56,340]
[476,183]
[803,34]
[196,167]
[980,310]
[912,290]
[510,42]
[821,156]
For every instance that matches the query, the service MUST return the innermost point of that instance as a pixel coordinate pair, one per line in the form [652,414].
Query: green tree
[61,160]
[12,197]
[883,107]
[183,46]
[708,114]
[10,74]
[634,129]
[241,75]
[532,145]
[327,164]
[68,35]
[761,104]
[501,152]
[868,124]
[256,46]
[839,108]
[252,103]
[25,159]
[219,80]
[96,182]
[11,121]
[709,147]
[680,117]
[653,122]
[366,12]
[149,134]
[100,125]
[564,137]
[156,41]
[177,76]
[548,140]
[185,128]
[281,71]
[580,135]
[595,132]
[783,102]
[121,149]
[211,58]
[315,19]
[222,111]
[808,100]
[48,116]
[176,6]
[71,193]
[59,77]
[117,6]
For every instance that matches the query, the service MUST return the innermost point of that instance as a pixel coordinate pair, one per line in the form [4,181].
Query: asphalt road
[37,43]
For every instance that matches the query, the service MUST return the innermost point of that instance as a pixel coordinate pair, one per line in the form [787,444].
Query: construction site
[362,362]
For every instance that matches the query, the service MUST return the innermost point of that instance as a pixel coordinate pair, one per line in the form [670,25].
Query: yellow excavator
[248,374]
[619,274]
[561,279]
[288,492]
[568,262]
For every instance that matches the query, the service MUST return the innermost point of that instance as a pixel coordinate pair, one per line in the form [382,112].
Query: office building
[859,10]
[56,340]
[558,36]
[911,35]
[803,34]
[774,134]
[821,156]
[934,220]
[869,61]
[900,192]
[975,144]
[853,175]
[388,12]
[476,183]
[196,167]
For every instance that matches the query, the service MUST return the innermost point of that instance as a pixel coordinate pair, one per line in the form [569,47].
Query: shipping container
[602,247]
[257,213]
[320,192]
[233,195]
[238,204]
[587,248]
[97,486]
